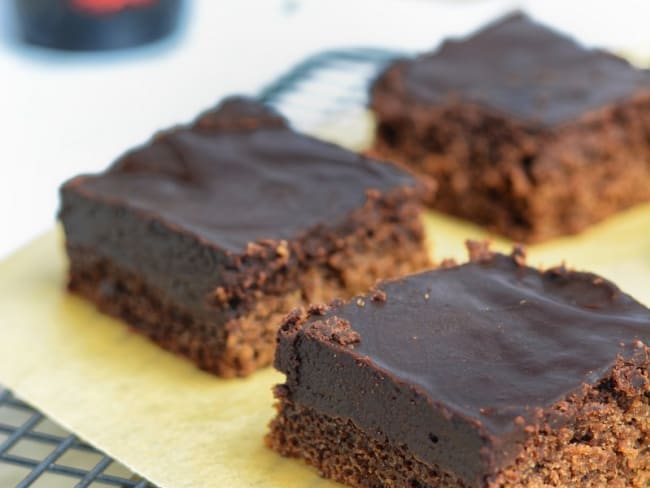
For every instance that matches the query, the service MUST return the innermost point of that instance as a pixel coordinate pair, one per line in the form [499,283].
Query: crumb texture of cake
[206,236]
[482,375]
[525,131]
[606,444]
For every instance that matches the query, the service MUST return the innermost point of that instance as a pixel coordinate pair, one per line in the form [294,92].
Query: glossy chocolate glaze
[522,69]
[456,362]
[237,175]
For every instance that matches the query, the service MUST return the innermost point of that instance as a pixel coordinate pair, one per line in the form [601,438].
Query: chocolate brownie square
[527,132]
[205,237]
[488,374]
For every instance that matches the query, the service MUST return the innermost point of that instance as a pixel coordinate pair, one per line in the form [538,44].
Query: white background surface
[62,114]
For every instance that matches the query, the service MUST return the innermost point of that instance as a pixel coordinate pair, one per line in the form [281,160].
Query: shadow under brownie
[489,374]
[526,131]
[206,236]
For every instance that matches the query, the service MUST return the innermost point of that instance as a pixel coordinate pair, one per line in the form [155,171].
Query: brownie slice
[488,374]
[526,131]
[205,237]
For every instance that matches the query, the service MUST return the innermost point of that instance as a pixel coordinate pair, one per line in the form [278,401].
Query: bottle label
[109,6]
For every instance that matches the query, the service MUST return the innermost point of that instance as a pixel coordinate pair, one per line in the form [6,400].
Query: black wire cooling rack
[36,448]
[45,455]
[326,84]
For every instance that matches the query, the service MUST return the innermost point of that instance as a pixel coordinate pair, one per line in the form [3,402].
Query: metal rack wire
[326,84]
[27,425]
[312,92]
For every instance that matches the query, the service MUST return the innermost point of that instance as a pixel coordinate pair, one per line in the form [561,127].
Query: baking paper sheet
[180,427]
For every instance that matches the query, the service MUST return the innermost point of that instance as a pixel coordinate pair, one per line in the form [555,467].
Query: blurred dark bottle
[89,25]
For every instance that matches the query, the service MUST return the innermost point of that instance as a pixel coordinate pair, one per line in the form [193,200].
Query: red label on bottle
[109,6]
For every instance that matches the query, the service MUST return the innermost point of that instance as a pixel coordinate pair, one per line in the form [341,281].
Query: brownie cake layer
[526,131]
[605,444]
[487,374]
[204,237]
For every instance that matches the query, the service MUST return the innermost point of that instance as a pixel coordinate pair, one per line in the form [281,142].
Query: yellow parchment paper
[180,427]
